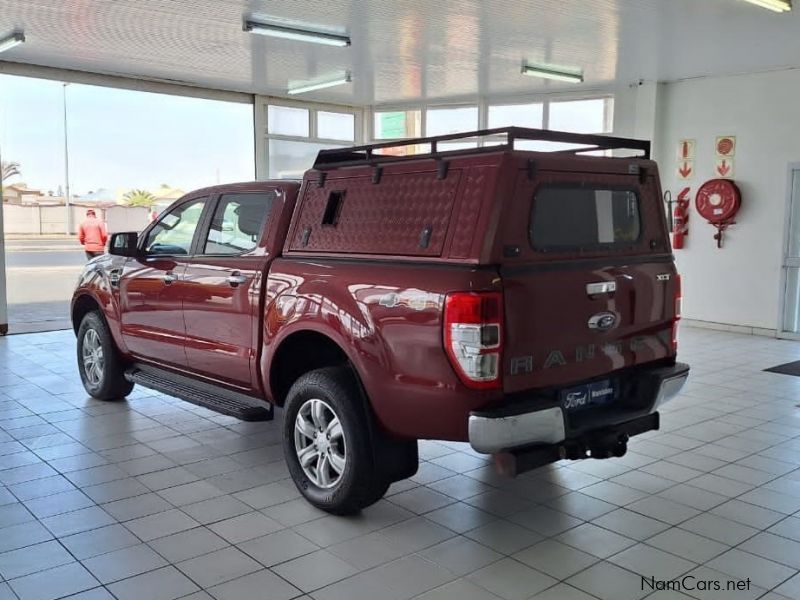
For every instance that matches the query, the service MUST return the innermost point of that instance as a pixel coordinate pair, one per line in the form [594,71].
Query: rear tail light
[473,337]
[678,306]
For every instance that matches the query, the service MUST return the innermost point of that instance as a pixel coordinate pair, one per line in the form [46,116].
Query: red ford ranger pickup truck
[521,300]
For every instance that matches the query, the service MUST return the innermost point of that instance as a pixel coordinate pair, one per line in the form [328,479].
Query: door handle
[236,279]
[113,277]
[170,278]
[601,287]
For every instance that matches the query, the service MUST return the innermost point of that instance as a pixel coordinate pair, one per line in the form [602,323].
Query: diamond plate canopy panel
[385,218]
[479,182]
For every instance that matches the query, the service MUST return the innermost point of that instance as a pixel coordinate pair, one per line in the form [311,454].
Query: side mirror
[124,244]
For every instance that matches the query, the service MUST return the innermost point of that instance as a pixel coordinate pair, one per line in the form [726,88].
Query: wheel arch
[292,359]
[86,300]
[299,353]
[81,306]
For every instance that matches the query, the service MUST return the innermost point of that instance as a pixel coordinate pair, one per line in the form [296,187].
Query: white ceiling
[403,50]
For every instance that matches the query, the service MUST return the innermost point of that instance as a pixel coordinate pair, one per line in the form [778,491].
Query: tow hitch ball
[608,446]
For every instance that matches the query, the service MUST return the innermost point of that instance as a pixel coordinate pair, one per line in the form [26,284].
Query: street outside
[41,272]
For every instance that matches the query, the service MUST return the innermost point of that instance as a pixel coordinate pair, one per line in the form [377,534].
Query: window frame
[484,103]
[263,136]
[364,117]
[380,109]
[608,110]
[206,225]
[286,135]
[317,112]
[517,102]
[207,202]
[611,247]
[460,105]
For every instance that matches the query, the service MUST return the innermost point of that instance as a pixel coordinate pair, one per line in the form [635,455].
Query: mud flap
[395,458]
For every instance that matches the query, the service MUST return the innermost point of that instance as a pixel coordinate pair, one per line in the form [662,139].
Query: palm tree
[139,198]
[9,169]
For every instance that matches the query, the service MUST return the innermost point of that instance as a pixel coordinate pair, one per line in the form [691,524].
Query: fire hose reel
[718,201]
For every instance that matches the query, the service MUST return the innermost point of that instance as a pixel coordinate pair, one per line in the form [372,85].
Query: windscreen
[584,217]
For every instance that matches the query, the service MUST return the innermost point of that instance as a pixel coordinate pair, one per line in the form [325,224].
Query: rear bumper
[525,425]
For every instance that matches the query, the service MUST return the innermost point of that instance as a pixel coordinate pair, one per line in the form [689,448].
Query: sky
[121,138]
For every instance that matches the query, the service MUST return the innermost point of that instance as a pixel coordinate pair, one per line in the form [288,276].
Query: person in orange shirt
[92,235]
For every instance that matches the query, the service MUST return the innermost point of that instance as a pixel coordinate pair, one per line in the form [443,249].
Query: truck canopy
[417,199]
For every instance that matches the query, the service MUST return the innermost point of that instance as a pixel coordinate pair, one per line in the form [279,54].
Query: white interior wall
[636,110]
[738,284]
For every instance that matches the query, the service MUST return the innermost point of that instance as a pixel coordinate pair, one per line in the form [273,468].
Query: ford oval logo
[603,321]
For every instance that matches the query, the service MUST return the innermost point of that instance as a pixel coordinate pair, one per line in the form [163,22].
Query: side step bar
[210,396]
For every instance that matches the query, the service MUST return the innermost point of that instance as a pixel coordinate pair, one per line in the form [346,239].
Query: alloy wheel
[320,443]
[92,354]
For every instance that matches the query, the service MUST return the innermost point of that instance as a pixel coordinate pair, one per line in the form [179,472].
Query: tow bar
[608,442]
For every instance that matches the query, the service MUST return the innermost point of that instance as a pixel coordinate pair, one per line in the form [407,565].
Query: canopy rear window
[584,218]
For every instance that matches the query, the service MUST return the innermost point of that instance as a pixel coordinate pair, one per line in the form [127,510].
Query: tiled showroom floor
[157,499]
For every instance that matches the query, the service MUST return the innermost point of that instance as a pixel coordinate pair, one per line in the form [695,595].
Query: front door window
[174,232]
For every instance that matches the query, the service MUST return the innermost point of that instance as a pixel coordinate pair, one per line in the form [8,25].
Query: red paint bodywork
[371,287]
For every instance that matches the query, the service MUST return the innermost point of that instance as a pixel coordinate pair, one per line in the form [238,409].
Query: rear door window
[584,218]
[237,223]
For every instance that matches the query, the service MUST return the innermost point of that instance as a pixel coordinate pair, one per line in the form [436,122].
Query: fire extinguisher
[680,219]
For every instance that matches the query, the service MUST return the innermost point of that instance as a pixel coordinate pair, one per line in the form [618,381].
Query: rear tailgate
[589,279]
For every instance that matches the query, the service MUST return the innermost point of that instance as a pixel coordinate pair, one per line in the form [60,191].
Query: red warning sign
[724,167]
[686,149]
[726,146]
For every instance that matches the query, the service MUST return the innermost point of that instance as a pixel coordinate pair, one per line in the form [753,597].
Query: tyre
[99,364]
[327,443]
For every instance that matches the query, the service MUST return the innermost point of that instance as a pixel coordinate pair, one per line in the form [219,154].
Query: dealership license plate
[589,395]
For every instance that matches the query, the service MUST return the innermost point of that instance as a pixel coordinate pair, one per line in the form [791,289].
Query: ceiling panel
[403,50]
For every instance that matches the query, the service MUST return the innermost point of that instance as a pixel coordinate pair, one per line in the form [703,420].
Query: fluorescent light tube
[774,5]
[320,85]
[300,35]
[551,72]
[15,39]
